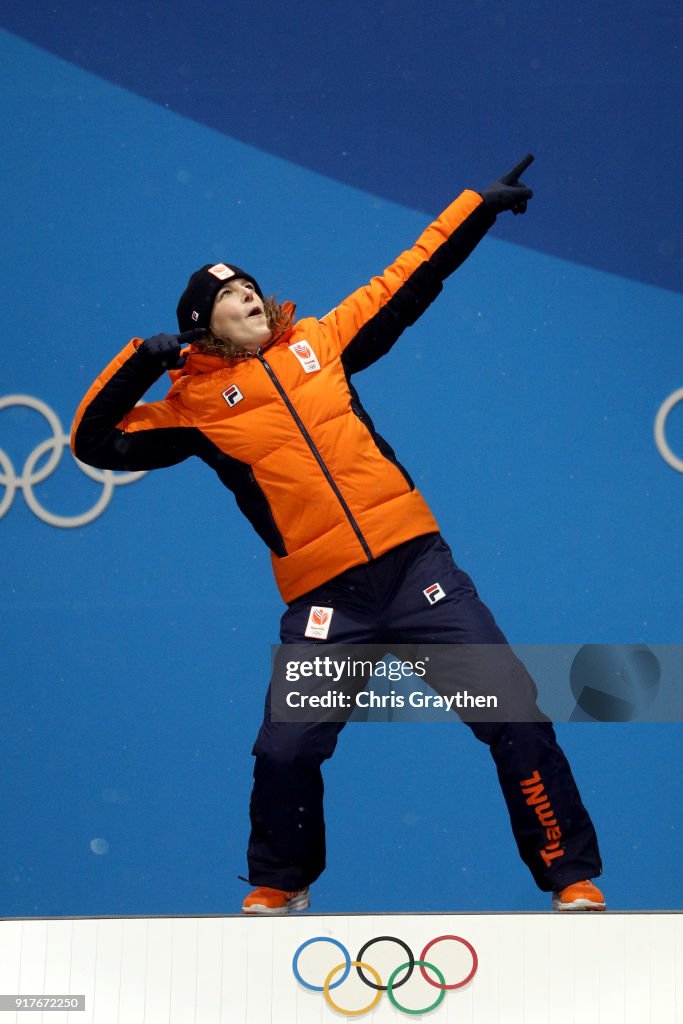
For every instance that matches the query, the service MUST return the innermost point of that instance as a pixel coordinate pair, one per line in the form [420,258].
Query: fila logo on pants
[434,593]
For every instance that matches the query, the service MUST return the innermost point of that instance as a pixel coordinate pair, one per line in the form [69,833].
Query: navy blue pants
[383,603]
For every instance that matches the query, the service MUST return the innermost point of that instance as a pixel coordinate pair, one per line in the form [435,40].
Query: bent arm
[110,432]
[369,321]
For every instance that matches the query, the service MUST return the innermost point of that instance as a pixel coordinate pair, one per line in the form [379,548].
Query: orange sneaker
[265,900]
[579,896]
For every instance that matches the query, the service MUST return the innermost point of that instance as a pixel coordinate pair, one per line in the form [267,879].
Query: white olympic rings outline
[660,427]
[30,476]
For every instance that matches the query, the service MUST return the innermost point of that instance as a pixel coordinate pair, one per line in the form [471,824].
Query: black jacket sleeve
[111,432]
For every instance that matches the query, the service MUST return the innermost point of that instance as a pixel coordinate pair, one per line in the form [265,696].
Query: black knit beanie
[196,302]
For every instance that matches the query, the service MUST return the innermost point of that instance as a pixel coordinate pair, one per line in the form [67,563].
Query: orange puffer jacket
[284,429]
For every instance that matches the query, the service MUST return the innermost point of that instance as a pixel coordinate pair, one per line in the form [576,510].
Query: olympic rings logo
[33,474]
[660,430]
[397,977]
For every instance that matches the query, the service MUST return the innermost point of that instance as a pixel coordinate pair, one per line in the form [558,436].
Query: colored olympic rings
[33,473]
[309,942]
[364,1009]
[468,945]
[424,1009]
[387,938]
[395,979]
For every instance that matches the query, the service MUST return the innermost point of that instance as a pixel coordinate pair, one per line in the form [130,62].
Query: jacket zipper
[318,457]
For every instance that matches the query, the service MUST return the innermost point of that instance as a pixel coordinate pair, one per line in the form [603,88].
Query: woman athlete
[267,401]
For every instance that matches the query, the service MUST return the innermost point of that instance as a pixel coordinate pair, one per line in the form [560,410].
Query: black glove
[163,350]
[507,193]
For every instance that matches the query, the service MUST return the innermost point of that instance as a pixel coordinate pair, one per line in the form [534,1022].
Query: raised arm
[369,321]
[110,432]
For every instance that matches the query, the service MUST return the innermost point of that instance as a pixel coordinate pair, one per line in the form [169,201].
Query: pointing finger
[187,337]
[517,170]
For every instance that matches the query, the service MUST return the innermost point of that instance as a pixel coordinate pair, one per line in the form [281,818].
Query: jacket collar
[198,362]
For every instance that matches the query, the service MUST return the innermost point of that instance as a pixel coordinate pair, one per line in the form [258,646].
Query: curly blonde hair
[279,318]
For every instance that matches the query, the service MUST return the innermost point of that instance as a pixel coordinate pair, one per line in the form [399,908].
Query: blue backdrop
[137,146]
